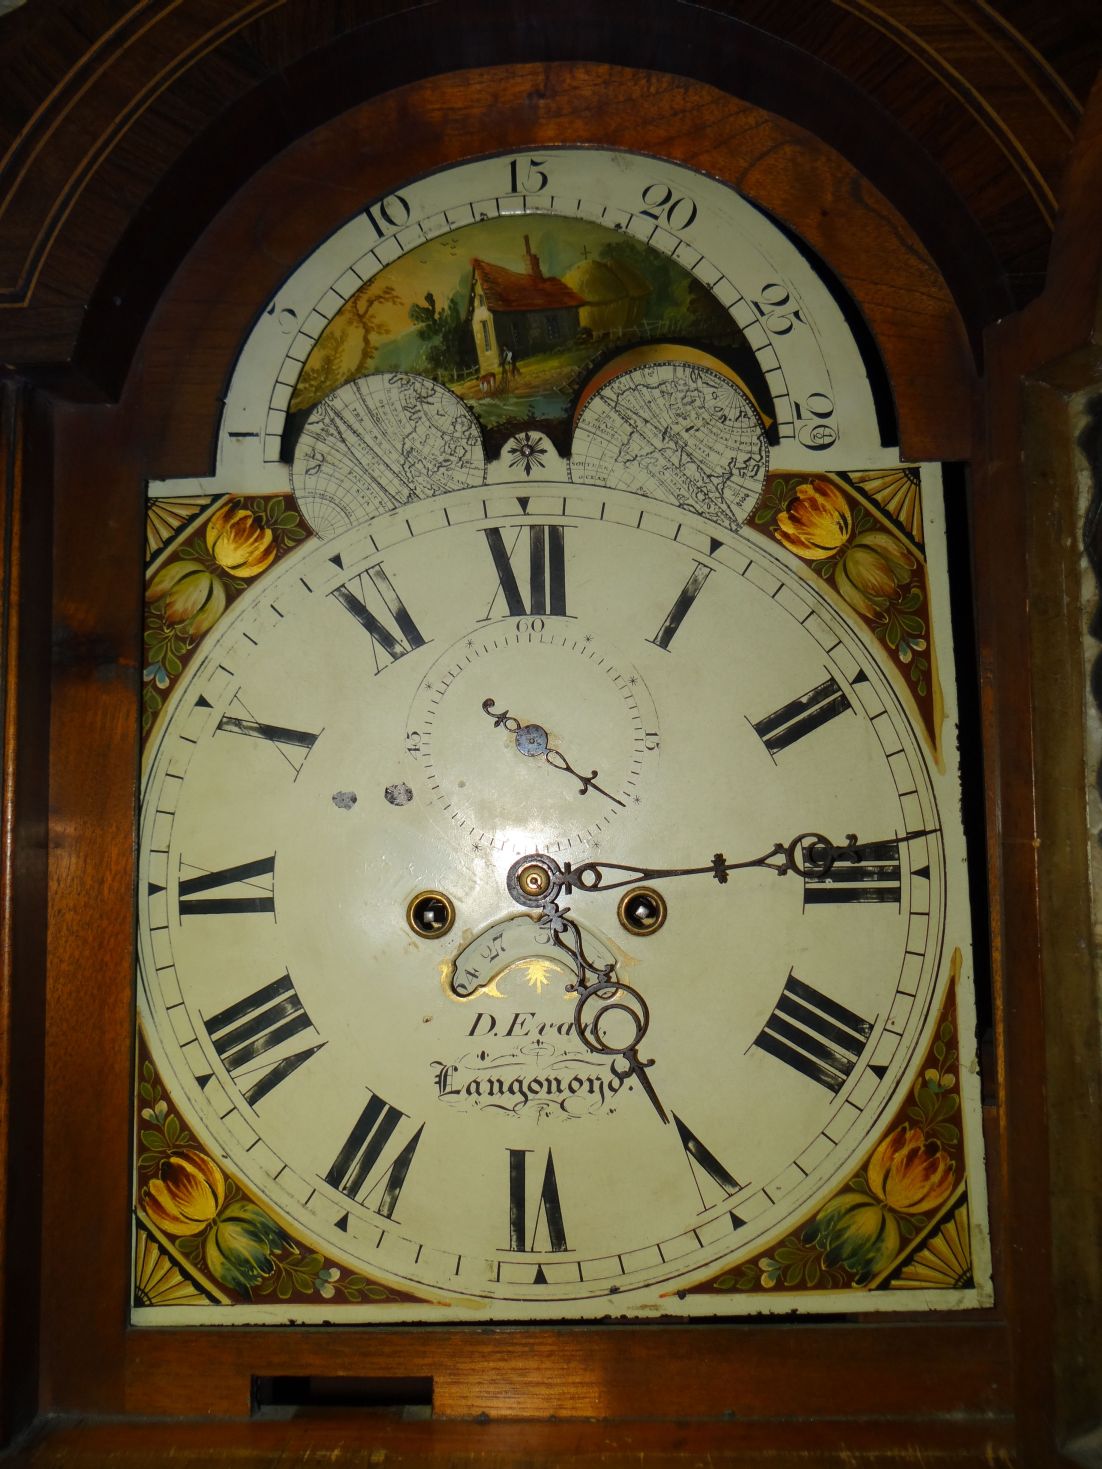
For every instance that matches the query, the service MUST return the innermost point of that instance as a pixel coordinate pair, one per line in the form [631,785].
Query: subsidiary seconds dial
[538,707]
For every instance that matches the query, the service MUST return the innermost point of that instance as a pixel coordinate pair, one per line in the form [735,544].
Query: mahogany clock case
[96,458]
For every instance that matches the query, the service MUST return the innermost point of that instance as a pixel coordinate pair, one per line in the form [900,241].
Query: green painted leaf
[153,1140]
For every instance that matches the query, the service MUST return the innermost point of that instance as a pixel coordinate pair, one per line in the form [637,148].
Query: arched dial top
[558,228]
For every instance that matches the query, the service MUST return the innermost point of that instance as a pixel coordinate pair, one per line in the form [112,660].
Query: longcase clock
[513,909]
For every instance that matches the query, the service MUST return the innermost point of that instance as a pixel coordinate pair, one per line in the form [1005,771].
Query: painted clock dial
[553,894]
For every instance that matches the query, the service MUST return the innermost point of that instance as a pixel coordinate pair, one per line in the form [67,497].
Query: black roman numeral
[546,571]
[292,744]
[871,876]
[547,1207]
[391,641]
[814,1035]
[245,1032]
[791,722]
[685,599]
[703,1161]
[358,1169]
[258,897]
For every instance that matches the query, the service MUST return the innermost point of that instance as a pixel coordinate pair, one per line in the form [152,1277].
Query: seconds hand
[532,740]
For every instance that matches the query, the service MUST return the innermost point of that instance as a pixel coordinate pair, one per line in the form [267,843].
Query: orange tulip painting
[198,1227]
[911,1187]
[874,565]
[197,580]
[186,1194]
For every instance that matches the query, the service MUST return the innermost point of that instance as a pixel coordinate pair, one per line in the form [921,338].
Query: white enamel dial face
[434,1118]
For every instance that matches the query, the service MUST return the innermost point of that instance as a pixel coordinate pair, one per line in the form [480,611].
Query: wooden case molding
[1016,1385]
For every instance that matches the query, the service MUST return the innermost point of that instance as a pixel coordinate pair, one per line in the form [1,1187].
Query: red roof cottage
[518,313]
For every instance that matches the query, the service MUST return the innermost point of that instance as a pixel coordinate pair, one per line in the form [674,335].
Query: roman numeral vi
[548,1208]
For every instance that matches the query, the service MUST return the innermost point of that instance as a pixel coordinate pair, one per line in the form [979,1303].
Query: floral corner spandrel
[900,1222]
[200,574]
[861,533]
[201,1238]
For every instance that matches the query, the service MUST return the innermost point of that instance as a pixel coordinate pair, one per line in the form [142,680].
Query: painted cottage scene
[515,323]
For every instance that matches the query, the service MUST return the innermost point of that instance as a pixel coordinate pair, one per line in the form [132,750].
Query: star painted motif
[527,450]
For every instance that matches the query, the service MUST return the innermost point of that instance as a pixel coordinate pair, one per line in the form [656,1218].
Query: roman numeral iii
[546,567]
[814,1034]
[248,1030]
[873,878]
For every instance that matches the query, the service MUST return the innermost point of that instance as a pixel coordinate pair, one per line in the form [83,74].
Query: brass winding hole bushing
[641,911]
[430,914]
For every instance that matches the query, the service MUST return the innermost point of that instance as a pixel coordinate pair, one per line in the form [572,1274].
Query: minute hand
[808,855]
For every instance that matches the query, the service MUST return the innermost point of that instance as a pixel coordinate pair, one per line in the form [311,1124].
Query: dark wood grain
[123,116]
[377,1440]
[25,489]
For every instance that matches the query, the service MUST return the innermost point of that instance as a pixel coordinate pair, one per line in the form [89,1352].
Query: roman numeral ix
[243,889]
